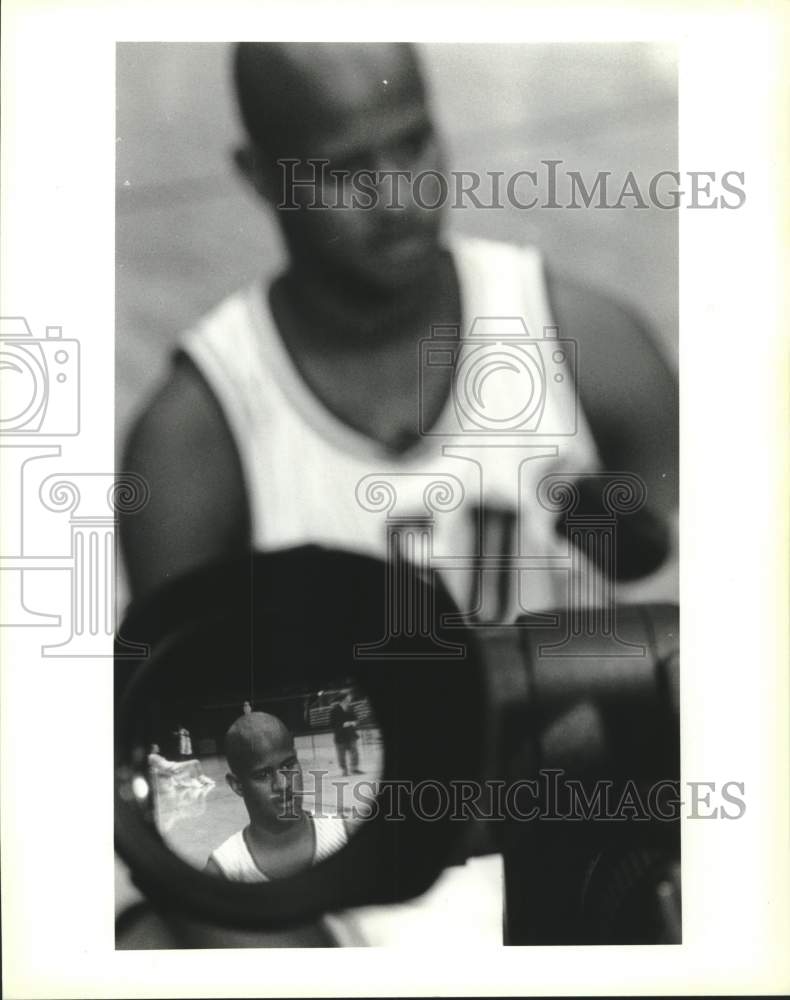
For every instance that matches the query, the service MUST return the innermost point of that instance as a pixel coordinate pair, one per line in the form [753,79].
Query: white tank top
[313,479]
[236,863]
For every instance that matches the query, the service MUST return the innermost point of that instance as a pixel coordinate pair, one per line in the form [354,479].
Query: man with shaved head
[282,838]
[290,392]
[349,108]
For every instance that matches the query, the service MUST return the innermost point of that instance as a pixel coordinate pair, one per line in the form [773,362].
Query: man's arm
[198,510]
[627,390]
[629,395]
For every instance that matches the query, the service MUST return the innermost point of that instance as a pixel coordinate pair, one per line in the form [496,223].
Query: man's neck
[333,313]
[278,831]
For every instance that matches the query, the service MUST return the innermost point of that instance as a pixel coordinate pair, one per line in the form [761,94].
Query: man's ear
[234,783]
[249,164]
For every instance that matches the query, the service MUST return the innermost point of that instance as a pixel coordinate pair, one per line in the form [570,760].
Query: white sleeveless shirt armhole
[222,346]
[235,861]
[330,836]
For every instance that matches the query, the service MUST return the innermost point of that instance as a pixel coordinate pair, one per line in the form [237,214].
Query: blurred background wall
[188,231]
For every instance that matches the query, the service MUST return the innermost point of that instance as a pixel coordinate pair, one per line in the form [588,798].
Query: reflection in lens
[266,786]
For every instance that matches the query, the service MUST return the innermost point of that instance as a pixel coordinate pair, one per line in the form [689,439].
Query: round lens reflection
[267,786]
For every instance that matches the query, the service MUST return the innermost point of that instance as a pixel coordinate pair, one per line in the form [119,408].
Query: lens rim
[383,862]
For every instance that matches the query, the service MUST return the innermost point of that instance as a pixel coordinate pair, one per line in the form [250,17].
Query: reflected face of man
[362,109]
[271,787]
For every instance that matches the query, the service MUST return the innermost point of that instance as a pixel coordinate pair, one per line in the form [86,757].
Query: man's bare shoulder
[183,448]
[183,405]
[627,389]
[605,328]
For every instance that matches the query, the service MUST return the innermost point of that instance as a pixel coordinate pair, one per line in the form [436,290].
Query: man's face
[272,787]
[389,243]
[371,123]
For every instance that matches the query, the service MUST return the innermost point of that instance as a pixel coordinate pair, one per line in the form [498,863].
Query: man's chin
[398,274]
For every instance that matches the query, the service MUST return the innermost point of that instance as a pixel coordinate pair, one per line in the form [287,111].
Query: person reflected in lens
[282,838]
[343,720]
[182,773]
[183,742]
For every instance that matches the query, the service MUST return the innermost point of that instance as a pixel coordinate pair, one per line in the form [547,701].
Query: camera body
[40,381]
[505,380]
[592,844]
